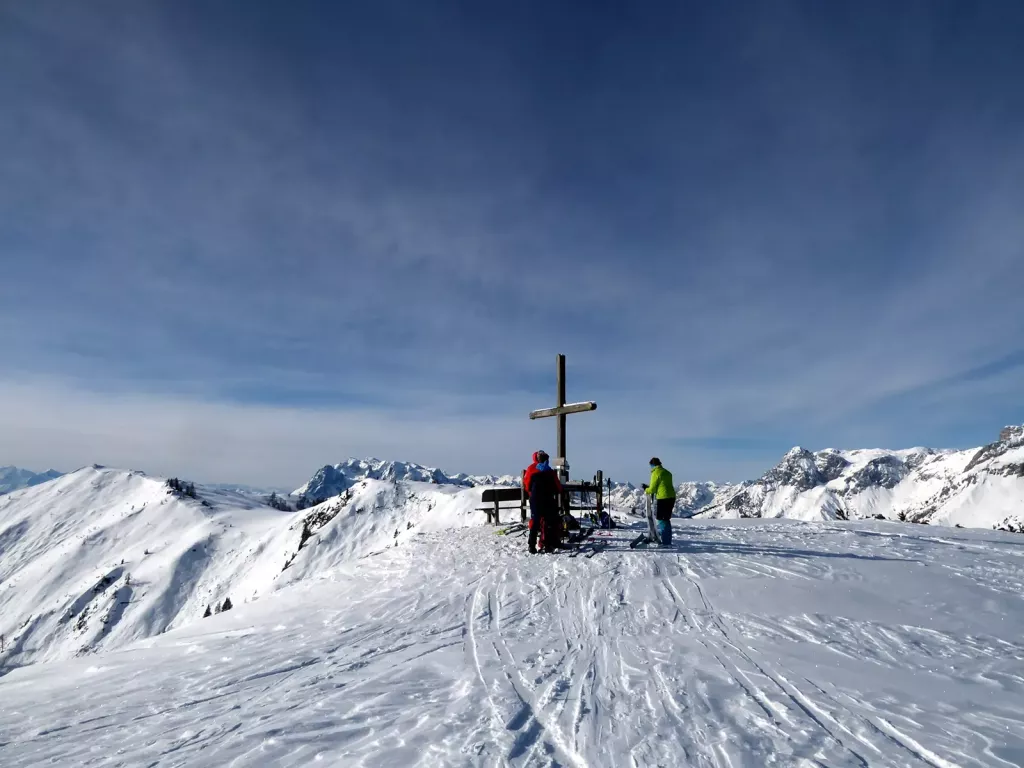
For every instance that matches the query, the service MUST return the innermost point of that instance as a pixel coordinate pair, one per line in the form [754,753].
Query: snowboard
[651,536]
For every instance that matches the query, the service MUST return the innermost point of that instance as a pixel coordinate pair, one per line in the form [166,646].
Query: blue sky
[241,240]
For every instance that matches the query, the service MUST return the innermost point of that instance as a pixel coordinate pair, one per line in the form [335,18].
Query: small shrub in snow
[278,503]
[1010,525]
[182,489]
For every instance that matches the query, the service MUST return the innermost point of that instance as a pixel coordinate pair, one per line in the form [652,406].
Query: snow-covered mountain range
[977,487]
[980,487]
[13,478]
[332,480]
[100,557]
[973,488]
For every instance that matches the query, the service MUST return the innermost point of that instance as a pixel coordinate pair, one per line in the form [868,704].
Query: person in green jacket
[664,495]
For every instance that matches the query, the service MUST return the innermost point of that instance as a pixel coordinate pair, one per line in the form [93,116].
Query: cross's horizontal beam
[543,413]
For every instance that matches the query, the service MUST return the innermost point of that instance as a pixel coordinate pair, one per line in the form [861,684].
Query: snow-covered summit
[101,557]
[13,478]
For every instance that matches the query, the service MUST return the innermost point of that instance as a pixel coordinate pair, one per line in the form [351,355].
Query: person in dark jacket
[544,488]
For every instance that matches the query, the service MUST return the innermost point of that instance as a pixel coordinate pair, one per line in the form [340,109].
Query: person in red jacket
[543,489]
[530,470]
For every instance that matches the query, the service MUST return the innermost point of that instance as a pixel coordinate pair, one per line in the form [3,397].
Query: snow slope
[13,478]
[101,557]
[751,643]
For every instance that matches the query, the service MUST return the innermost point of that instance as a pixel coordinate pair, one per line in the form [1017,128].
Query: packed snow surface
[749,643]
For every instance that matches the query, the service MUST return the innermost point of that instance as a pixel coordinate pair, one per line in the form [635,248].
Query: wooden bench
[494,497]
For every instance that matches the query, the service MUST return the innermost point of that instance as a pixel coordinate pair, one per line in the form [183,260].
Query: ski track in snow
[753,643]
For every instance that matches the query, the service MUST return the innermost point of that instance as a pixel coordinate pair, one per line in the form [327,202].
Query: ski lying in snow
[591,547]
[579,540]
[641,539]
[574,552]
[597,546]
[511,529]
[582,535]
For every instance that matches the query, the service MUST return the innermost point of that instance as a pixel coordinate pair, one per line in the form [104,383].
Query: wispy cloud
[737,444]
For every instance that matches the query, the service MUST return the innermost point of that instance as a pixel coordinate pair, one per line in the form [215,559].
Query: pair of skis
[592,548]
[585,539]
[651,536]
[517,527]
[574,542]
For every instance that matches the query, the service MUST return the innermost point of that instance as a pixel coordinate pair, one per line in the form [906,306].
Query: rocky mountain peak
[798,468]
[830,464]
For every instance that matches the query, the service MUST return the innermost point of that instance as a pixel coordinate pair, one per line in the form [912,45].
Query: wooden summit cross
[561,410]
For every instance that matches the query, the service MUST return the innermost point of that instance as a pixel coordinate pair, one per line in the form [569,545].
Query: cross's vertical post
[560,411]
[560,434]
